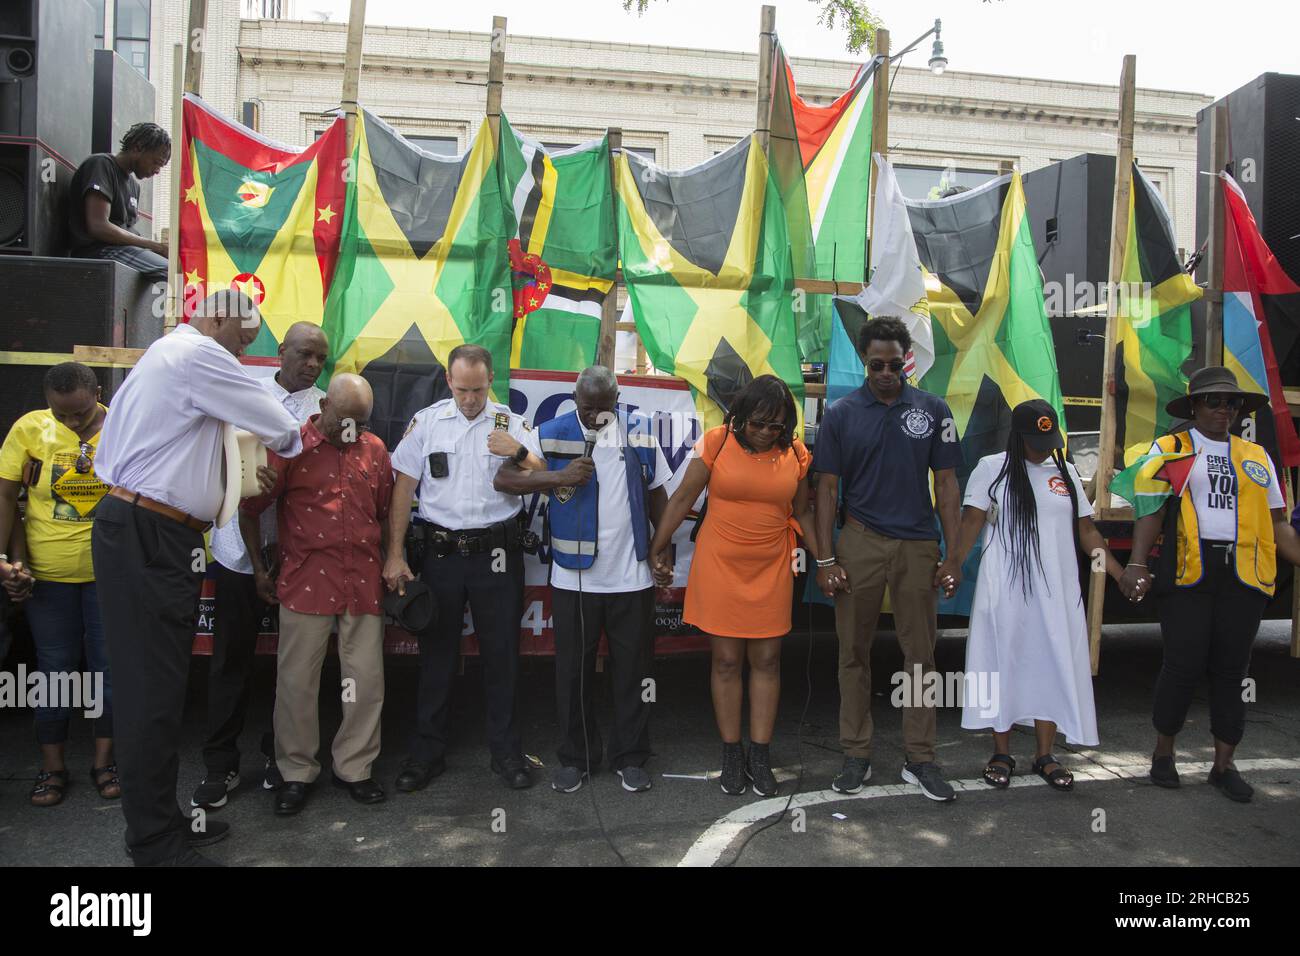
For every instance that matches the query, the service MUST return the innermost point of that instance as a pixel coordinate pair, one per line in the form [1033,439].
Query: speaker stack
[46,70]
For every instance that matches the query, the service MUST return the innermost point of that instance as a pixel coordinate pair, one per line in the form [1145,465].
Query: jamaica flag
[992,342]
[260,217]
[563,209]
[706,258]
[422,267]
[1154,323]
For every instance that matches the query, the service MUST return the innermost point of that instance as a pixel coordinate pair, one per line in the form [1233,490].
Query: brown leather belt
[167,511]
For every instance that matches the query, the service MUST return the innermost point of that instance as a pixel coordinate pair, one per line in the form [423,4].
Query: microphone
[589,436]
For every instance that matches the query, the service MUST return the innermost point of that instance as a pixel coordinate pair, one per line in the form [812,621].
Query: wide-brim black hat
[1214,380]
[413,611]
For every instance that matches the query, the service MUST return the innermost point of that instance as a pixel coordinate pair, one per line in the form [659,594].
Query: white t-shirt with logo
[1213,487]
[616,568]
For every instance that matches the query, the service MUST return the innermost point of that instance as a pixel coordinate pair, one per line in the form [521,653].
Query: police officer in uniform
[450,455]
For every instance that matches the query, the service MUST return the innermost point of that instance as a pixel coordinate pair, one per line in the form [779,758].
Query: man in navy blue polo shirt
[880,445]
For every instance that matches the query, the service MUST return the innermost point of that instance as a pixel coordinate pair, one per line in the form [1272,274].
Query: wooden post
[763,92]
[607,343]
[1214,254]
[195,41]
[175,281]
[496,75]
[1118,238]
[879,133]
[352,69]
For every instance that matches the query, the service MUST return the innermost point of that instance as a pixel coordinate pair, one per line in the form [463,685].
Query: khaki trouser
[304,638]
[872,563]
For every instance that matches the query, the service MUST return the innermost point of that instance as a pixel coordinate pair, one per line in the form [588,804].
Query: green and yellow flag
[563,212]
[992,343]
[423,265]
[706,258]
[259,217]
[1152,479]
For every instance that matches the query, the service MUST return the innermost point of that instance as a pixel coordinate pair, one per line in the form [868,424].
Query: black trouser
[149,599]
[1208,629]
[234,646]
[496,601]
[627,619]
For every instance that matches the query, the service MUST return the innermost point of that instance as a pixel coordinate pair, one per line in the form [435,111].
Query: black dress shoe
[214,831]
[514,771]
[416,774]
[362,791]
[290,798]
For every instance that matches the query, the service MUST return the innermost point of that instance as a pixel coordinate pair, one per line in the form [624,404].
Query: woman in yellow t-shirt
[51,452]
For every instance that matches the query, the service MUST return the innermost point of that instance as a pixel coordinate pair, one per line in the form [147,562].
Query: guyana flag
[827,209]
[260,217]
[563,210]
[1154,323]
[706,258]
[1153,478]
[422,266]
[992,343]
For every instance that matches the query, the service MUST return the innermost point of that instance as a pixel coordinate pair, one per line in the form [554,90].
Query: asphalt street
[1114,817]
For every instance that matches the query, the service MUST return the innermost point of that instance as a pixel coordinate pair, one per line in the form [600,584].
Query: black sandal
[995,776]
[1058,779]
[46,782]
[101,787]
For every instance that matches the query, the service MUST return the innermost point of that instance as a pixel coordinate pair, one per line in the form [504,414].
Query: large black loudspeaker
[1264,158]
[46,74]
[52,304]
[1069,206]
[123,97]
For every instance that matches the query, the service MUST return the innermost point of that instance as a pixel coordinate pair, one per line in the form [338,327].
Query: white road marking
[713,842]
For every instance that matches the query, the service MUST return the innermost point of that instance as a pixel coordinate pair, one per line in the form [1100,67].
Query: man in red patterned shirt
[332,504]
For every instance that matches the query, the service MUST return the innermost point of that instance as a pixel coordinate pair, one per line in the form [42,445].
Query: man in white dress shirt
[162,451]
[303,355]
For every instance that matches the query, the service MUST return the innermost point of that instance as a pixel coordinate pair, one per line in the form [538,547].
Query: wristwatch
[519,456]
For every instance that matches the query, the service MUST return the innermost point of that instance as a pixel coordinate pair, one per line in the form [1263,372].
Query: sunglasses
[879,365]
[1221,401]
[86,460]
[766,426]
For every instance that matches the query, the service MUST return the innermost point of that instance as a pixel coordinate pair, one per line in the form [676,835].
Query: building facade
[676,105]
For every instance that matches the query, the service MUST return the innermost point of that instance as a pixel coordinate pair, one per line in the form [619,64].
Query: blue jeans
[64,619]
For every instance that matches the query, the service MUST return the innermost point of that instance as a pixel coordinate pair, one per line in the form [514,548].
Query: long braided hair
[1019,520]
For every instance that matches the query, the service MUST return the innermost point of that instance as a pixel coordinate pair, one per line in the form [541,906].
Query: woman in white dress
[1028,643]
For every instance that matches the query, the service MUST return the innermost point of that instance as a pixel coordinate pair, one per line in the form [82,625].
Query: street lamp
[938,62]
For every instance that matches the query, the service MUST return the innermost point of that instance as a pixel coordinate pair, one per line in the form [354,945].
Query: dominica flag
[563,211]
[1153,323]
[1152,479]
[827,210]
[706,258]
[993,346]
[423,266]
[1257,294]
[259,216]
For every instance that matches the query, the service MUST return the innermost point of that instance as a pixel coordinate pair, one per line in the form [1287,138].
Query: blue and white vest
[573,519]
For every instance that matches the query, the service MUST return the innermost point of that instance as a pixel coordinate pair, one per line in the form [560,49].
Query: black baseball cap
[1036,422]
[415,611]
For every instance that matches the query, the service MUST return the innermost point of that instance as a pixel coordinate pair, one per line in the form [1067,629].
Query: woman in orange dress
[742,573]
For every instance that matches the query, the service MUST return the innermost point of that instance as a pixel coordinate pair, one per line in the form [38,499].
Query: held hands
[947,576]
[18,581]
[832,579]
[500,443]
[661,566]
[578,472]
[396,574]
[265,479]
[1135,583]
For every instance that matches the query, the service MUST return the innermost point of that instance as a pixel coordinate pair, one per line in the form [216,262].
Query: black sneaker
[732,777]
[758,768]
[1230,782]
[271,778]
[855,772]
[929,778]
[1164,773]
[635,780]
[213,791]
[568,779]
